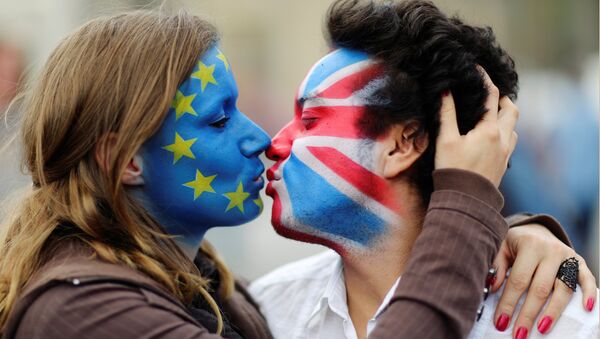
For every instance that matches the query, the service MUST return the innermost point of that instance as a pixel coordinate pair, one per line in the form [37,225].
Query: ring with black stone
[568,272]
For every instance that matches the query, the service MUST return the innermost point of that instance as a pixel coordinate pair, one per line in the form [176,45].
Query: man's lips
[273,173]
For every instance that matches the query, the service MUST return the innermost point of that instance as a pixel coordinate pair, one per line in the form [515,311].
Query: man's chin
[294,234]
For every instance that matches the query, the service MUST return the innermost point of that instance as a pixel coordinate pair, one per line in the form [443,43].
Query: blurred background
[271,44]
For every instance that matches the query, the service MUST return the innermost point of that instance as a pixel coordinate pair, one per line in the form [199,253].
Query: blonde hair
[114,75]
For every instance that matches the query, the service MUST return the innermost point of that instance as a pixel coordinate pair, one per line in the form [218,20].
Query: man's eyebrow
[307,98]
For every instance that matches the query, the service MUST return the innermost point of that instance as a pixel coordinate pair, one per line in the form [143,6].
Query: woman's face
[202,168]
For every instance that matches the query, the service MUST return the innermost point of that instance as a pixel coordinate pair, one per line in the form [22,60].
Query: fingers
[491,104]
[514,137]
[507,117]
[588,285]
[448,123]
[501,263]
[518,282]
[538,293]
[560,298]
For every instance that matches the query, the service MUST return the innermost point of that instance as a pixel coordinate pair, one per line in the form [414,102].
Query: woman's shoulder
[76,295]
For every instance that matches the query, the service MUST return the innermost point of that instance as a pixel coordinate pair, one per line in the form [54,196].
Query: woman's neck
[187,237]
[189,248]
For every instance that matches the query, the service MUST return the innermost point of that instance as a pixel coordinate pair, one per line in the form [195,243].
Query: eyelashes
[220,123]
[308,122]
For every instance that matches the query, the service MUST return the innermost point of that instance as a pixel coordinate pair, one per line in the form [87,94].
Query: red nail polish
[545,324]
[521,333]
[589,305]
[445,93]
[493,281]
[502,322]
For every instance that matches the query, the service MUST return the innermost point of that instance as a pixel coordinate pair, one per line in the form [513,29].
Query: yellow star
[222,57]
[205,74]
[201,184]
[183,104]
[181,148]
[258,203]
[237,198]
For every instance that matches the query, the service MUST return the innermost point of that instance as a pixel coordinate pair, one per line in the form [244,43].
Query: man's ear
[403,145]
[132,175]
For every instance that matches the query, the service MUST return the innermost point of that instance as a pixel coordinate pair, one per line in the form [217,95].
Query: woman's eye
[220,123]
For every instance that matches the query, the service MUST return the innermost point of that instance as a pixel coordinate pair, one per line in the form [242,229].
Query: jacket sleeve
[442,286]
[100,311]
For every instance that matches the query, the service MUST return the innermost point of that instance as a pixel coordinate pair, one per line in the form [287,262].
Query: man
[354,168]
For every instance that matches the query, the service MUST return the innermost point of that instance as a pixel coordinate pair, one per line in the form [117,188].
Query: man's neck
[370,274]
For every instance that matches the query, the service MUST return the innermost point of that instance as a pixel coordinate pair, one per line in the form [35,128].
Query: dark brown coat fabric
[77,296]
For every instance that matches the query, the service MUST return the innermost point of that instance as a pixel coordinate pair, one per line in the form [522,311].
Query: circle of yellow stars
[182,104]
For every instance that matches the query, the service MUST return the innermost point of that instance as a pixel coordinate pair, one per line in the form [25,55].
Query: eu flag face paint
[201,168]
[326,186]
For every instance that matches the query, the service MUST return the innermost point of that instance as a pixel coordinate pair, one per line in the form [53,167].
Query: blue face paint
[201,168]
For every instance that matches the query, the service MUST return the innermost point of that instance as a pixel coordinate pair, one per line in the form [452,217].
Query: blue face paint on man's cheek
[201,167]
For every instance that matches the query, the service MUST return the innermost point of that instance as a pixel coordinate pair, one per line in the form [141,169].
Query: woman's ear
[132,175]
[403,145]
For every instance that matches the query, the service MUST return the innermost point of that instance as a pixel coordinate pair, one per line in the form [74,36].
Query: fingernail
[492,281]
[445,93]
[502,322]
[545,324]
[589,305]
[521,333]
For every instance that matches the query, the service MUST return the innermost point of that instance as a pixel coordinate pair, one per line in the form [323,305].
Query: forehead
[342,67]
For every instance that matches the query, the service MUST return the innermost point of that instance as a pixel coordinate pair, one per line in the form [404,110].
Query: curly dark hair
[424,53]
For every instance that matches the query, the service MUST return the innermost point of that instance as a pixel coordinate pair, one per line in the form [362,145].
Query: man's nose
[281,144]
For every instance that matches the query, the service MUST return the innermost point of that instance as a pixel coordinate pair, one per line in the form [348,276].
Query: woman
[105,243]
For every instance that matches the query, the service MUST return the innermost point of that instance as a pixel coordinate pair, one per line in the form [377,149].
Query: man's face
[326,182]
[201,168]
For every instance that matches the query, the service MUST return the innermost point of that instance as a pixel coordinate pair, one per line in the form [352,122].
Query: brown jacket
[76,296]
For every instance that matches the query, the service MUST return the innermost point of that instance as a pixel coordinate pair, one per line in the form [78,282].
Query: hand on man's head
[485,149]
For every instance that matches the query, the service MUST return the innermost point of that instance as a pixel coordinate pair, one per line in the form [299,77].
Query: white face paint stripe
[304,155]
[352,148]
[341,74]
[310,72]
[287,219]
[327,102]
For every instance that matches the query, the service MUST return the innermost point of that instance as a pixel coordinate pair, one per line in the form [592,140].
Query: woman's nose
[281,144]
[256,141]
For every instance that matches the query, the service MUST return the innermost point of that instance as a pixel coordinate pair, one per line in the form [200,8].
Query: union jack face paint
[326,183]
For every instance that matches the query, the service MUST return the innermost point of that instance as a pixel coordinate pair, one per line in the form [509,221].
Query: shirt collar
[334,295]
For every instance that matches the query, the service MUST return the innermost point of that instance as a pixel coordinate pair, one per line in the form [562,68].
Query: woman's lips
[270,191]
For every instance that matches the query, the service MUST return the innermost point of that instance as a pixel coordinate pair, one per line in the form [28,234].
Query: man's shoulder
[318,267]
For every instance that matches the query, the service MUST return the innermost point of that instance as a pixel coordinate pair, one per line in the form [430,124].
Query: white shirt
[307,299]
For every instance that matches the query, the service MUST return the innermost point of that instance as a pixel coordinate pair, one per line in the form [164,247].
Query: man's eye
[308,122]
[220,123]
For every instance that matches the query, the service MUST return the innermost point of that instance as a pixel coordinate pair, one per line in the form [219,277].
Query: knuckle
[494,91]
[519,281]
[493,134]
[526,319]
[541,290]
